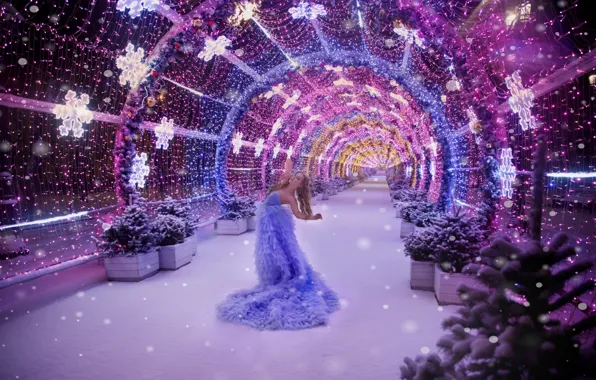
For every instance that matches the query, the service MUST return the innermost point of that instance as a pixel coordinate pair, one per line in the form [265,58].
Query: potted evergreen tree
[181,210]
[174,251]
[128,247]
[235,220]
[456,243]
[417,215]
[422,264]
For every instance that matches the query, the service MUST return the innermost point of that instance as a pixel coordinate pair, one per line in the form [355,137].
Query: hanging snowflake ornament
[433,146]
[521,101]
[506,173]
[73,114]
[472,119]
[276,127]
[133,69]
[237,142]
[244,12]
[259,147]
[164,132]
[276,150]
[214,47]
[292,100]
[290,151]
[135,7]
[411,36]
[307,11]
[140,170]
[433,169]
[301,136]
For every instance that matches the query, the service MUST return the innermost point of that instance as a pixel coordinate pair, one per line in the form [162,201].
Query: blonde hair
[302,193]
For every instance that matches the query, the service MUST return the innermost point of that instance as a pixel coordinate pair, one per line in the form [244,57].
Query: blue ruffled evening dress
[290,294]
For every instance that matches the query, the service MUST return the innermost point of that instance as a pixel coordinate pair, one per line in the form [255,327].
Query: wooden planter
[422,275]
[252,223]
[231,227]
[406,229]
[172,257]
[132,268]
[446,284]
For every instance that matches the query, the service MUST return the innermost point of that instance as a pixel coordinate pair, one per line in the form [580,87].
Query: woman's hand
[317,217]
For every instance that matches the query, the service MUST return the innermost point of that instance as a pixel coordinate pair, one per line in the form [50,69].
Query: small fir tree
[421,214]
[168,230]
[129,235]
[419,246]
[178,209]
[456,241]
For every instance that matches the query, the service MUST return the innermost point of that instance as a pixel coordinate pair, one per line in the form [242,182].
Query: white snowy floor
[165,327]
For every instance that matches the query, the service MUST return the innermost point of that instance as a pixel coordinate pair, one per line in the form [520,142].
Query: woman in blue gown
[290,294]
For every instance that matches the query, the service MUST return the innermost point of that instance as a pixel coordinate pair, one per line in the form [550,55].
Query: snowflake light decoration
[291,100]
[140,170]
[373,92]
[307,11]
[399,98]
[259,147]
[408,171]
[276,150]
[343,82]
[237,142]
[290,151]
[73,114]
[433,169]
[453,84]
[433,146]
[521,101]
[276,127]
[411,36]
[135,7]
[313,118]
[243,12]
[214,47]
[320,158]
[506,173]
[133,69]
[164,132]
[301,136]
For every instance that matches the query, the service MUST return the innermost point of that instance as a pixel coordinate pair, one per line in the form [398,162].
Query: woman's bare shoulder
[285,198]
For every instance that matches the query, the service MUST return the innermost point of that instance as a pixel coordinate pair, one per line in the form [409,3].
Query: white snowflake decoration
[140,170]
[399,98]
[291,100]
[164,132]
[307,11]
[373,91]
[506,172]
[313,118]
[301,136]
[276,150]
[290,151]
[276,127]
[214,47]
[412,36]
[259,147]
[73,114]
[433,169]
[433,146]
[408,171]
[521,101]
[135,7]
[320,158]
[133,69]
[244,12]
[343,82]
[473,119]
[237,142]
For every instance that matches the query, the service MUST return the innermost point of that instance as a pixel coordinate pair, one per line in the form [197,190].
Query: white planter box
[132,268]
[446,286]
[175,256]
[422,275]
[406,229]
[417,229]
[252,223]
[231,227]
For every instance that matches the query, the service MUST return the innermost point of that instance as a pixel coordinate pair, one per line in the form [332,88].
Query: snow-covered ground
[165,327]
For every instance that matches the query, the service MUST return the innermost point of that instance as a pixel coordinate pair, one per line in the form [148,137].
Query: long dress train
[290,294]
